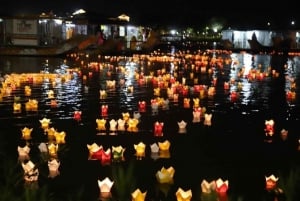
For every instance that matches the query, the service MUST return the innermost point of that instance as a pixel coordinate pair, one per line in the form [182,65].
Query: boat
[73,44]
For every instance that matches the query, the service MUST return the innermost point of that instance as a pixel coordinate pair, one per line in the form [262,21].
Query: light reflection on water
[259,100]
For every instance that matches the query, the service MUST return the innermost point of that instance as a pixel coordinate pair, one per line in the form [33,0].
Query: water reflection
[237,92]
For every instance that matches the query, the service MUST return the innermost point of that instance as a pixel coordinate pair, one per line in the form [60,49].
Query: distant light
[173,32]
[293,22]
[57,21]
[80,11]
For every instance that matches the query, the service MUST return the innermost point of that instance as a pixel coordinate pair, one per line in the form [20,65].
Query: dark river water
[241,92]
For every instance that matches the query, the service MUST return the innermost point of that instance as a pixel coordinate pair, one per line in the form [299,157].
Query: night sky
[169,12]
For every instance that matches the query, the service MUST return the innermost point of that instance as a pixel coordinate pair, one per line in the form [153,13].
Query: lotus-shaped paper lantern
[140,150]
[182,126]
[208,187]
[104,110]
[60,137]
[31,105]
[271,182]
[154,148]
[101,125]
[196,102]
[132,125]
[51,133]
[105,186]
[158,129]
[53,167]
[182,195]
[284,134]
[77,115]
[106,157]
[23,153]
[164,146]
[186,103]
[125,116]
[45,123]
[197,115]
[43,147]
[111,84]
[52,150]
[26,133]
[31,173]
[137,115]
[121,125]
[95,151]
[103,94]
[51,94]
[27,90]
[113,126]
[142,106]
[138,195]
[222,186]
[269,127]
[53,103]
[207,119]
[17,107]
[118,153]
[165,175]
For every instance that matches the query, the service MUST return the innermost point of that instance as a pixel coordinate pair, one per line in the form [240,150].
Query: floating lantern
[208,187]
[104,110]
[118,153]
[103,94]
[136,115]
[165,175]
[106,157]
[53,103]
[53,167]
[51,94]
[186,103]
[95,151]
[27,90]
[77,115]
[284,134]
[52,149]
[140,150]
[121,125]
[113,126]
[154,148]
[23,153]
[45,123]
[17,107]
[207,119]
[101,124]
[222,186]
[31,105]
[132,125]
[271,182]
[105,186]
[182,195]
[60,137]
[197,115]
[31,173]
[196,102]
[158,129]
[43,147]
[269,127]
[26,133]
[138,195]
[125,116]
[142,106]
[51,133]
[182,126]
